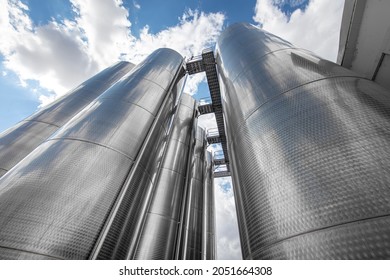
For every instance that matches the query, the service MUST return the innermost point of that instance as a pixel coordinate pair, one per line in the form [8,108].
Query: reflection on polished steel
[191,244]
[118,239]
[310,151]
[160,230]
[77,195]
[21,139]
[208,231]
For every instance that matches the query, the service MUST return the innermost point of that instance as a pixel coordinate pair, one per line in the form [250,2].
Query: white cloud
[105,26]
[136,5]
[207,121]
[317,28]
[227,238]
[194,32]
[193,82]
[61,55]
[54,54]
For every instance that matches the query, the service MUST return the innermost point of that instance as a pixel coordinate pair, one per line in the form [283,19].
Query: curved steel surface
[159,233]
[208,239]
[191,246]
[120,238]
[18,141]
[74,177]
[309,145]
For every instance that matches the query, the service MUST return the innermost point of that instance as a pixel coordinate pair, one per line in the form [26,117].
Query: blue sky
[49,47]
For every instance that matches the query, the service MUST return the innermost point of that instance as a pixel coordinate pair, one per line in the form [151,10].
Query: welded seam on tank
[169,169]
[182,104]
[39,121]
[153,82]
[164,216]
[151,62]
[128,102]
[302,85]
[320,229]
[261,58]
[178,140]
[200,181]
[31,252]
[89,142]
[163,69]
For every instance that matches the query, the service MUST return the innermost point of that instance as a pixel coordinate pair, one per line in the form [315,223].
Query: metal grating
[214,139]
[206,109]
[220,174]
[195,65]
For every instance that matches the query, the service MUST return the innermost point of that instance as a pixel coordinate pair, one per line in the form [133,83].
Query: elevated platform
[206,63]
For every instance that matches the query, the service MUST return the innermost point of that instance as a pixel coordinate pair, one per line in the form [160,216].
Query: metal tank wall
[310,151]
[19,140]
[59,201]
[192,231]
[119,238]
[208,238]
[160,230]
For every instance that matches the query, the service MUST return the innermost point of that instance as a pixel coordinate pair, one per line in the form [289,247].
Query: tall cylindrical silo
[57,202]
[160,230]
[191,244]
[21,139]
[208,230]
[119,237]
[310,149]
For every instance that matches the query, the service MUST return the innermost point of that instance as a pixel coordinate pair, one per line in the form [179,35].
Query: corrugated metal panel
[56,202]
[18,141]
[309,144]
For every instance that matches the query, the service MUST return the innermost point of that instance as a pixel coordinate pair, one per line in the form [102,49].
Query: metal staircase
[206,63]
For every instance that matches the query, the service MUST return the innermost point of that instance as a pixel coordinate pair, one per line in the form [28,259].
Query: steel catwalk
[21,139]
[57,201]
[208,228]
[160,230]
[191,245]
[310,151]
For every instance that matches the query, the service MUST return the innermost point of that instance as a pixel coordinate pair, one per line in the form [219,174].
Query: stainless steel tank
[160,230]
[60,201]
[19,140]
[310,151]
[208,227]
[191,244]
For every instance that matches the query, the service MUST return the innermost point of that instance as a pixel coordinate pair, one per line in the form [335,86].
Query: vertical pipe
[159,233]
[181,237]
[191,246]
[309,142]
[208,237]
[56,202]
[21,139]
